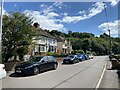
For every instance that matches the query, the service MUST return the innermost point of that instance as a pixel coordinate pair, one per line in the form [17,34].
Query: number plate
[18,71]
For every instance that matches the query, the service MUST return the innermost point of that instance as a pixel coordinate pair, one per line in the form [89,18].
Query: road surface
[85,74]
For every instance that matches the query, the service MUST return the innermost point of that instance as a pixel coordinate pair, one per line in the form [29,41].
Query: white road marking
[101,77]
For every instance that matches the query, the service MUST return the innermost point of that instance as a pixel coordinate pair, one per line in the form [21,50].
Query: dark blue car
[70,59]
[80,57]
[86,56]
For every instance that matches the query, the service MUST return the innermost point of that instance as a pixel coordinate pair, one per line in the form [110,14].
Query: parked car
[90,56]
[80,57]
[2,71]
[71,59]
[86,56]
[36,65]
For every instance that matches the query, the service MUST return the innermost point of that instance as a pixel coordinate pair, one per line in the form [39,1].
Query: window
[45,58]
[51,58]
[43,39]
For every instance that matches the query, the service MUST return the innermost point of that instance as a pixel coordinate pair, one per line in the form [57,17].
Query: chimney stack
[36,25]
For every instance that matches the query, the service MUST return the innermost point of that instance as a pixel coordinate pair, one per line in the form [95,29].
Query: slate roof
[60,39]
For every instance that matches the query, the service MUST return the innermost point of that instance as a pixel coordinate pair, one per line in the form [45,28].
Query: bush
[56,55]
[80,52]
[74,52]
[118,56]
[88,52]
[93,53]
[50,53]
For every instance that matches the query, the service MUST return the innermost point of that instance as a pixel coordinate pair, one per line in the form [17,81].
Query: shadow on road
[14,75]
[18,75]
[67,63]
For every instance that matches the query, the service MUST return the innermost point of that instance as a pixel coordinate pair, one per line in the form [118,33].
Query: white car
[2,71]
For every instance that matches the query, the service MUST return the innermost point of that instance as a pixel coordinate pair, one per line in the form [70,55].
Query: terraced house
[43,43]
[63,46]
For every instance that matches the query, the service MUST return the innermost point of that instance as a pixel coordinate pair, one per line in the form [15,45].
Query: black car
[70,59]
[36,65]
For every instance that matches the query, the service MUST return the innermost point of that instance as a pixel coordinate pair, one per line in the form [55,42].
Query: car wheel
[55,66]
[73,62]
[36,70]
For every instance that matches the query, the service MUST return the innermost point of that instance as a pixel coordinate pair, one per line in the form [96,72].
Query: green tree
[86,45]
[17,33]
[77,44]
[116,48]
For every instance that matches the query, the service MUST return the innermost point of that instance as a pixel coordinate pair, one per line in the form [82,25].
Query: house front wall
[64,47]
[44,44]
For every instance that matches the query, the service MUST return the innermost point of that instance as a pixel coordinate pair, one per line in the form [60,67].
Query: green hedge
[56,55]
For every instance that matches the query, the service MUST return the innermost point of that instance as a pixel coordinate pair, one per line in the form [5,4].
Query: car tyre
[74,62]
[36,71]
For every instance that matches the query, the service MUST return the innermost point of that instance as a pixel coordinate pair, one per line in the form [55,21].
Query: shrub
[88,52]
[74,52]
[80,51]
[50,53]
[55,54]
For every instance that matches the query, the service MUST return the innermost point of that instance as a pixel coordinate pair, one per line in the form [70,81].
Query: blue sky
[74,16]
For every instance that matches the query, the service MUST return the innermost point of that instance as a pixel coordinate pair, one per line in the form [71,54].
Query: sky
[75,16]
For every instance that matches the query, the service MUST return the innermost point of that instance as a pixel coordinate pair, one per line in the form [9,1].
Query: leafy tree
[86,45]
[97,48]
[104,35]
[77,45]
[17,33]
[116,48]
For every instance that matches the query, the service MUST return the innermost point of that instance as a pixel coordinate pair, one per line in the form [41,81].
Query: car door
[50,62]
[44,63]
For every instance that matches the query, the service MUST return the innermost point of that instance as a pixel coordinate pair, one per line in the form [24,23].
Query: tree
[116,48]
[86,45]
[17,34]
[97,47]
[105,36]
[77,44]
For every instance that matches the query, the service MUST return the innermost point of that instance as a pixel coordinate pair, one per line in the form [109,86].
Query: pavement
[85,74]
[111,78]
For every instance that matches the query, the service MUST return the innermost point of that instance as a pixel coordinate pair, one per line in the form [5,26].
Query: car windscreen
[79,55]
[70,56]
[35,59]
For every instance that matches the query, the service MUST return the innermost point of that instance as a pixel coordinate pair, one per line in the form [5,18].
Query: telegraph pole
[110,44]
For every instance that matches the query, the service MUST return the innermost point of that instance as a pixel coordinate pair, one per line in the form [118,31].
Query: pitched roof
[60,39]
[46,34]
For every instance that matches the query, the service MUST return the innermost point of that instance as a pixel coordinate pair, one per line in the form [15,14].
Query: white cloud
[113,2]
[81,12]
[47,10]
[52,15]
[58,4]
[46,17]
[42,5]
[45,21]
[96,9]
[113,26]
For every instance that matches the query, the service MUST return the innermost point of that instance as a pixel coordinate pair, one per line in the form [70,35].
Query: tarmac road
[85,74]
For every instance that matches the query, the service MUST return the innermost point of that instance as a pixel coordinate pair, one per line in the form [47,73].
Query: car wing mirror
[42,60]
